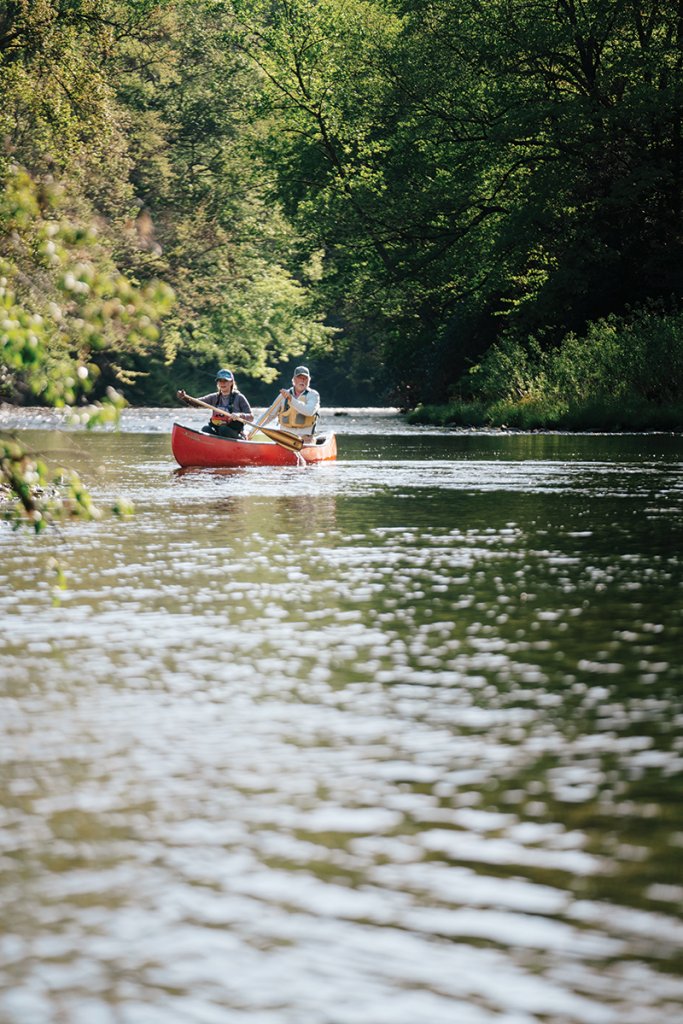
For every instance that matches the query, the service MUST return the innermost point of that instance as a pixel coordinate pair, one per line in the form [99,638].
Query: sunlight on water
[391,740]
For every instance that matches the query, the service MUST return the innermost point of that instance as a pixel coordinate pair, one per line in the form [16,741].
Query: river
[391,740]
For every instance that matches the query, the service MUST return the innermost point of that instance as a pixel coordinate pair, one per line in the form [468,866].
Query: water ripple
[381,742]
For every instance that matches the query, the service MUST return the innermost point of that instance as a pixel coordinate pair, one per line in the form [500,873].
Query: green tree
[471,169]
[211,221]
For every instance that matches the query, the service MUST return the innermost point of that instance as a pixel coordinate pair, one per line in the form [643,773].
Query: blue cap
[224,375]
[302,369]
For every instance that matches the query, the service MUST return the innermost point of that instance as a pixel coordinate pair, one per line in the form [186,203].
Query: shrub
[639,357]
[508,370]
[528,413]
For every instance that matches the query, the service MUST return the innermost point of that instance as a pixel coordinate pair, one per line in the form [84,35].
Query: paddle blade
[294,444]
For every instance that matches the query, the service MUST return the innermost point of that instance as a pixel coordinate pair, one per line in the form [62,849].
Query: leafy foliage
[61,298]
[215,229]
[61,303]
[476,169]
[623,372]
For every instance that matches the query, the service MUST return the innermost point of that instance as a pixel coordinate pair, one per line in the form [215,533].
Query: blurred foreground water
[395,740]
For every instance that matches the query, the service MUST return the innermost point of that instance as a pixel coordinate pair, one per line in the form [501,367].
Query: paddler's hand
[182,395]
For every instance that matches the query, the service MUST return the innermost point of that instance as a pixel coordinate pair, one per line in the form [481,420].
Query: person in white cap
[298,411]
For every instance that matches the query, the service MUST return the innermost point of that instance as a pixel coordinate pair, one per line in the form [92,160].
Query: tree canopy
[477,169]
[390,188]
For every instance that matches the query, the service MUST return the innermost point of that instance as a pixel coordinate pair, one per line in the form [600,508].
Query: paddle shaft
[268,414]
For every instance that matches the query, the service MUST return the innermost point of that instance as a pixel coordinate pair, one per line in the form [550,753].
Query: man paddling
[298,412]
[230,401]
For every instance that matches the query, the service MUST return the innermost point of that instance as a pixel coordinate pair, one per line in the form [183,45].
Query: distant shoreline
[594,417]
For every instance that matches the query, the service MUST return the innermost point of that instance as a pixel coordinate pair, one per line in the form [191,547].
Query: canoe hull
[195,448]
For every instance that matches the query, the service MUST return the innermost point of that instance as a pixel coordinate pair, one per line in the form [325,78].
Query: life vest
[289,417]
[221,426]
[217,420]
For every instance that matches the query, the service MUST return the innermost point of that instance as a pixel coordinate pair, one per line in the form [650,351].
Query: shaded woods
[445,201]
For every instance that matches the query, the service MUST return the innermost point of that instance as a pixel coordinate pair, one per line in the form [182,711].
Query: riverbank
[555,414]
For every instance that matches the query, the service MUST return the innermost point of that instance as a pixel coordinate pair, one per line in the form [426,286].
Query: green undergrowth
[623,373]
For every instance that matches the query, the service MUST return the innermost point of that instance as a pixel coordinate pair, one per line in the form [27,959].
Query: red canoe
[194,448]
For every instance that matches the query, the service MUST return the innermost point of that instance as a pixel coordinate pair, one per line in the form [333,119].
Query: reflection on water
[391,740]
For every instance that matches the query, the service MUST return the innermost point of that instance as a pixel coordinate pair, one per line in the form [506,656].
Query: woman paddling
[231,401]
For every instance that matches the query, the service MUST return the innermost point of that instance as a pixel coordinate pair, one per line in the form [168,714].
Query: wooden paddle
[281,437]
[268,414]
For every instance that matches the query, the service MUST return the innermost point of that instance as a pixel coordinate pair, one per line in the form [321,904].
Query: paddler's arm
[197,403]
[242,410]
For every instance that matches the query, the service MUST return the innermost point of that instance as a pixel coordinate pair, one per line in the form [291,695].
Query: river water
[394,740]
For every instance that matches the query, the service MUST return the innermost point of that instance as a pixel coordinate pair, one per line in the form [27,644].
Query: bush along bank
[541,415]
[623,374]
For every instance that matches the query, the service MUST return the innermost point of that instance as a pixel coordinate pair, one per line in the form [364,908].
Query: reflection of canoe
[194,448]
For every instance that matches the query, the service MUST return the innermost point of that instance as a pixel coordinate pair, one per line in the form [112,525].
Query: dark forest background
[428,201]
